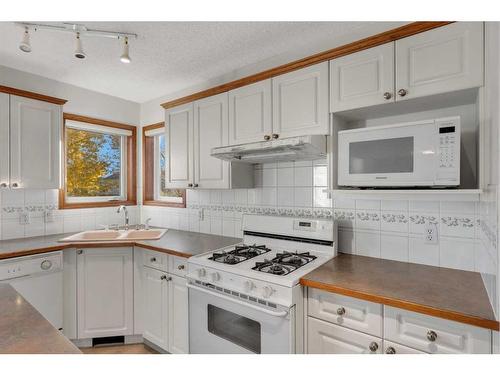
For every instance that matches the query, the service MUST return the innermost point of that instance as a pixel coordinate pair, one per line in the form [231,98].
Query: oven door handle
[273,313]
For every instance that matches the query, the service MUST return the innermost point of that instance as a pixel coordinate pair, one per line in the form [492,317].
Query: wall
[36,202]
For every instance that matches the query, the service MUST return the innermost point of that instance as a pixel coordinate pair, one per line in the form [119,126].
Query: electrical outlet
[24,218]
[49,216]
[431,234]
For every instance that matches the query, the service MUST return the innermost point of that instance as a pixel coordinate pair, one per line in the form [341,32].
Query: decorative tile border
[423,219]
[395,218]
[319,213]
[490,234]
[457,221]
[367,216]
[13,209]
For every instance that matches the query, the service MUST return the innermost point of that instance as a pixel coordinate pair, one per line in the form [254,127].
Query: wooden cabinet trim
[32,95]
[369,42]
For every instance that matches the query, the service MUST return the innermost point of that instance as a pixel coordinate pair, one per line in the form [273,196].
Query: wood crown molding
[158,125]
[31,95]
[369,42]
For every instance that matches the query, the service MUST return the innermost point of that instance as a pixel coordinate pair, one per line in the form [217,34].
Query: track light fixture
[25,45]
[79,30]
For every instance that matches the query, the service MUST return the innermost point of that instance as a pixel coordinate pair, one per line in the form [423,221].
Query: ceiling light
[25,45]
[79,54]
[125,58]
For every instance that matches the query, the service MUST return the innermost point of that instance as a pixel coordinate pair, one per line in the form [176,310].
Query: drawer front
[327,338]
[434,335]
[178,265]
[349,312]
[394,348]
[155,259]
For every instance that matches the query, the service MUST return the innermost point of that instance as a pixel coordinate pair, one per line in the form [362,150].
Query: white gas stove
[237,291]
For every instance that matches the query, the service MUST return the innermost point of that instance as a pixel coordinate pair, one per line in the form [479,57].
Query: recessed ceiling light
[25,45]
[79,54]
[125,58]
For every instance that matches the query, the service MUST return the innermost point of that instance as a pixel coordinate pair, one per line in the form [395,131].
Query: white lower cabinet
[393,348]
[178,323]
[105,292]
[328,338]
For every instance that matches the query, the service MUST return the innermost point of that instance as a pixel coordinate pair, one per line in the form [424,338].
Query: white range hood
[308,147]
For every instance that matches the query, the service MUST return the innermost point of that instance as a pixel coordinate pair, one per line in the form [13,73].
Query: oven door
[222,324]
[396,155]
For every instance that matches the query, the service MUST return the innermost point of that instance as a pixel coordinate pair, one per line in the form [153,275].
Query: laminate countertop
[442,292]
[23,330]
[175,242]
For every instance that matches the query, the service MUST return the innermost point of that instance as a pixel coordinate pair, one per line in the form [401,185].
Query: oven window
[393,155]
[235,328]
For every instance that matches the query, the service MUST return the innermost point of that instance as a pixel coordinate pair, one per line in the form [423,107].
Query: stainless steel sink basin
[115,235]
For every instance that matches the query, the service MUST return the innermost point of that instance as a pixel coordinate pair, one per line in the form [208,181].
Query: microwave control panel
[449,148]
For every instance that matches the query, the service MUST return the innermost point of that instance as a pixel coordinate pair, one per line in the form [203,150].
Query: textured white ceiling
[167,56]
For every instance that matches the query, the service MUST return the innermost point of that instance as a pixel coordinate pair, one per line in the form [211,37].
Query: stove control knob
[248,285]
[215,276]
[202,272]
[267,291]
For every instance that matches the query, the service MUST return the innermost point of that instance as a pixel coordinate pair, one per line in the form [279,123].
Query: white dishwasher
[38,278]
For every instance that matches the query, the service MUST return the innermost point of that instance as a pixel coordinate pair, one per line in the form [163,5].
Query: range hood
[308,147]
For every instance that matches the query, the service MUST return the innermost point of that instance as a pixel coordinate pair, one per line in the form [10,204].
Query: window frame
[128,168]
[151,170]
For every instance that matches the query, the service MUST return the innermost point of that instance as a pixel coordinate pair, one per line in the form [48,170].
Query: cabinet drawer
[393,348]
[349,312]
[434,335]
[178,265]
[327,338]
[155,259]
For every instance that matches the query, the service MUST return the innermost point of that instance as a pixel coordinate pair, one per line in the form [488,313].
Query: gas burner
[296,259]
[239,254]
[274,268]
[227,258]
[284,263]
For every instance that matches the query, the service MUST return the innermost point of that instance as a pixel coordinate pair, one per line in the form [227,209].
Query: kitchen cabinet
[250,116]
[445,59]
[300,102]
[30,133]
[178,323]
[155,296]
[104,292]
[363,78]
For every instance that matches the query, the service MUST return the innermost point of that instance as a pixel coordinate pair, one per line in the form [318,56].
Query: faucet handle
[147,223]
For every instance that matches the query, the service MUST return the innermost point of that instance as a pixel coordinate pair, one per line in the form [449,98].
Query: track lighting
[25,45]
[79,54]
[125,58]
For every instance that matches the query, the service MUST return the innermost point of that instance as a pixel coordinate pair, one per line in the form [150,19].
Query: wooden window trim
[148,169]
[131,165]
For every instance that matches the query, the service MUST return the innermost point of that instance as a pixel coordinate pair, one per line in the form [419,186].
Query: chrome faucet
[124,209]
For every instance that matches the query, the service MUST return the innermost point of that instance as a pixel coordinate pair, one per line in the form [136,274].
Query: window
[155,161]
[99,163]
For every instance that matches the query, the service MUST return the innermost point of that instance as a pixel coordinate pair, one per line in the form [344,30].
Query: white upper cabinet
[4,141]
[35,134]
[362,79]
[442,60]
[210,130]
[250,118]
[180,145]
[300,102]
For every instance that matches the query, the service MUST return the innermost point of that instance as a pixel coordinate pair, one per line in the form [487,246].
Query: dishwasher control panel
[30,265]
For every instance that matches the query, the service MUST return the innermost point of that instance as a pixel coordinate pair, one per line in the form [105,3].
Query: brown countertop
[175,242]
[442,292]
[23,330]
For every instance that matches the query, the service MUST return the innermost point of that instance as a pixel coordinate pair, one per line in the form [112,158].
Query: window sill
[163,204]
[74,205]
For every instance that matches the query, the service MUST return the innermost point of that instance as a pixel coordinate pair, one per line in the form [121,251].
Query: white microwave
[423,153]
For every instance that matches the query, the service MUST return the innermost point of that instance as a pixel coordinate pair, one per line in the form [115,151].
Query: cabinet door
[250,116]
[4,140]
[35,138]
[105,292]
[327,338]
[155,307]
[442,60]
[300,102]
[362,79]
[210,130]
[180,144]
[178,316]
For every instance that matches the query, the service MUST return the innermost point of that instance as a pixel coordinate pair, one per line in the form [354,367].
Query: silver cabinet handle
[390,350]
[15,185]
[79,251]
[190,185]
[340,311]
[152,260]
[373,346]
[163,277]
[387,95]
[195,185]
[276,136]
[3,185]
[267,137]
[432,336]
[402,92]
[181,267]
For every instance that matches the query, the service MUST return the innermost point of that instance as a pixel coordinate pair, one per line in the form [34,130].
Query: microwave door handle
[273,313]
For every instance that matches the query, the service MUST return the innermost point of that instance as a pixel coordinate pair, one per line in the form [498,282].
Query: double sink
[115,235]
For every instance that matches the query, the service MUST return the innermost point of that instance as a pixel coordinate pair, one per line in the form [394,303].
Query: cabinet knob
[190,185]
[402,92]
[3,185]
[169,278]
[152,260]
[15,185]
[432,336]
[79,251]
[276,136]
[195,185]
[390,350]
[181,267]
[387,95]
[267,137]
[163,277]
[340,311]
[373,346]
